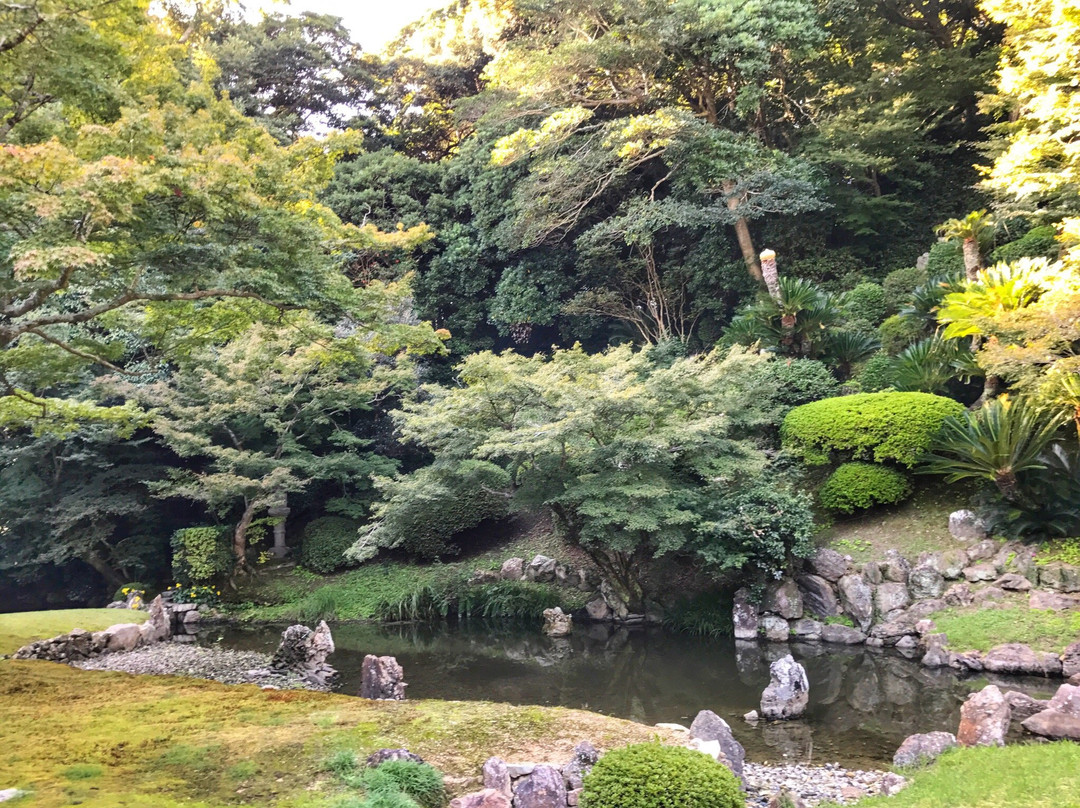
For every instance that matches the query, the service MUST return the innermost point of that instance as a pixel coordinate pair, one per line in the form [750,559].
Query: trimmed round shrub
[651,775]
[865,302]
[900,283]
[877,426]
[898,332]
[325,541]
[946,258]
[1039,242]
[418,781]
[855,486]
[875,374]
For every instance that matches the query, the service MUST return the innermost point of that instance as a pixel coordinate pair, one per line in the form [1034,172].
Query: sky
[373,23]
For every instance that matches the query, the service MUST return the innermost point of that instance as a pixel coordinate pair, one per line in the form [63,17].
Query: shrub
[946,259]
[875,374]
[882,426]
[135,586]
[865,302]
[900,283]
[706,614]
[651,775]
[1039,242]
[898,332]
[419,781]
[791,382]
[855,486]
[325,541]
[200,554]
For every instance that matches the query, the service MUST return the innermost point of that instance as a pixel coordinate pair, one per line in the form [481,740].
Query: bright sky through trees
[373,23]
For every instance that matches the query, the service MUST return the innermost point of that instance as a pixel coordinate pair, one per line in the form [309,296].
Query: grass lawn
[915,526]
[19,628]
[1022,776]
[974,629]
[109,739]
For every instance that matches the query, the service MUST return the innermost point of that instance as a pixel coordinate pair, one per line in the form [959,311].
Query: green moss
[19,628]
[1020,776]
[981,629]
[82,771]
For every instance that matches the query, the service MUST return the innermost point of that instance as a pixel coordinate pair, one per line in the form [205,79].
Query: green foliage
[930,365]
[788,383]
[200,554]
[419,781]
[321,604]
[795,325]
[866,302]
[501,600]
[386,799]
[706,614]
[946,260]
[657,776]
[876,373]
[1065,551]
[1038,242]
[897,332]
[195,593]
[82,771]
[855,486]
[325,541]
[882,426]
[900,283]
[128,588]
[343,762]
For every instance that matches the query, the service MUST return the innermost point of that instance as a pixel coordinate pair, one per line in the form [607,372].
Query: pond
[863,702]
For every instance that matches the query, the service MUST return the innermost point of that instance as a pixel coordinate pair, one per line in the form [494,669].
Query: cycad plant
[796,324]
[929,365]
[1005,287]
[969,230]
[843,349]
[999,442]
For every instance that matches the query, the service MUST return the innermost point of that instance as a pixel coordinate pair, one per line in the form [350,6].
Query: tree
[969,230]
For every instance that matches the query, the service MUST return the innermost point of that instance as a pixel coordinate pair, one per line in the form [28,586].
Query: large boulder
[1070,661]
[1013,582]
[744,616]
[598,609]
[857,599]
[557,623]
[982,551]
[123,637]
[497,776]
[708,726]
[828,564]
[304,652]
[1022,706]
[1052,601]
[1061,718]
[488,798]
[986,571]
[952,564]
[917,750]
[818,596]
[788,692]
[966,526]
[959,595]
[926,582]
[513,569]
[382,678]
[1016,658]
[892,596]
[775,629]
[544,788]
[936,655]
[807,629]
[585,757]
[841,634]
[896,568]
[783,598]
[984,719]
[1060,577]
[158,625]
[541,569]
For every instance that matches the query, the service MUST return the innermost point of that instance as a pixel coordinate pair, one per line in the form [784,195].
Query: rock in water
[788,691]
[1061,718]
[158,625]
[544,788]
[745,616]
[382,678]
[984,719]
[708,726]
[557,623]
[291,654]
[304,652]
[925,748]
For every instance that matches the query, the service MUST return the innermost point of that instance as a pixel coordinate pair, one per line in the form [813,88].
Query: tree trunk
[623,575]
[972,259]
[742,233]
[104,569]
[240,537]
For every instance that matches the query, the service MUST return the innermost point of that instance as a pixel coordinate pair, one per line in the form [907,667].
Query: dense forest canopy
[580,256]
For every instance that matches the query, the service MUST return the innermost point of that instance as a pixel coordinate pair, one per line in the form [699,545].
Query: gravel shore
[815,784]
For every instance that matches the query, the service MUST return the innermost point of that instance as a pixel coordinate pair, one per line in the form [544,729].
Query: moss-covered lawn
[1022,776]
[110,739]
[19,628]
[975,629]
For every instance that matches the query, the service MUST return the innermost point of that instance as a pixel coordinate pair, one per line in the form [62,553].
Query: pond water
[863,702]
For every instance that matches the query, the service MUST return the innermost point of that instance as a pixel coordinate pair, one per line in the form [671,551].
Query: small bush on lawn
[418,781]
[655,776]
[325,541]
[855,486]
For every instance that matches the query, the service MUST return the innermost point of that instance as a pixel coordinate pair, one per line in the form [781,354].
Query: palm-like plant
[795,324]
[1063,389]
[999,442]
[929,365]
[924,301]
[968,230]
[1005,287]
[845,348]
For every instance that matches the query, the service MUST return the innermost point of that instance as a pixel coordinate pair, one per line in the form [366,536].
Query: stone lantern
[280,510]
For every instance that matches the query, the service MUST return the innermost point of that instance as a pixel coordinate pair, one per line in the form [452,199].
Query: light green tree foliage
[275,409]
[633,458]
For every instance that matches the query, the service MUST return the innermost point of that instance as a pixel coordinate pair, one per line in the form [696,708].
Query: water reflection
[863,702]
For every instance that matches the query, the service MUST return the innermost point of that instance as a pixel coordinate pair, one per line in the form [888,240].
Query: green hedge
[878,426]
[900,283]
[866,302]
[876,373]
[325,541]
[200,554]
[898,332]
[651,775]
[855,486]
[1039,242]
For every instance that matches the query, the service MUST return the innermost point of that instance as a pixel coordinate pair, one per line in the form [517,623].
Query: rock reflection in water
[863,702]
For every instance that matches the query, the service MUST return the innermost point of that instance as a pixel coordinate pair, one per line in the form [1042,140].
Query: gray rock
[1022,706]
[158,625]
[807,629]
[936,656]
[619,610]
[959,595]
[953,563]
[1053,725]
[585,757]
[1070,661]
[818,596]
[871,571]
[1013,582]
[497,777]
[124,637]
[783,598]
[598,609]
[708,726]
[926,582]
[984,719]
[857,599]
[517,770]
[988,594]
[896,568]
[917,750]
[842,635]
[785,799]
[775,629]
[788,692]
[488,798]
[381,756]
[907,643]
[1060,577]
[891,596]
[544,788]
[891,632]
[1052,601]
[745,616]
[513,569]
[828,564]
[557,623]
[983,551]
[980,572]
[541,569]
[382,678]
[966,525]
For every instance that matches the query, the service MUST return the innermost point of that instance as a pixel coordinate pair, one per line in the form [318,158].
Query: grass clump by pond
[971,629]
[1021,776]
[19,628]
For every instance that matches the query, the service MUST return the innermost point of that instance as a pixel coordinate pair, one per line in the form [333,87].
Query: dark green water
[863,702]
